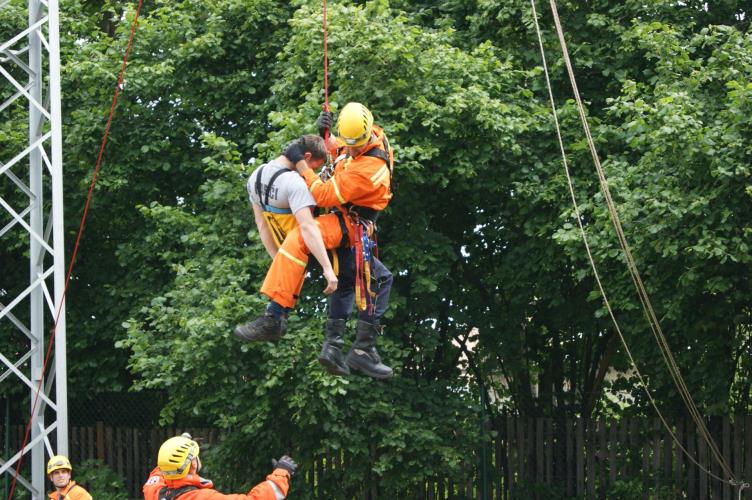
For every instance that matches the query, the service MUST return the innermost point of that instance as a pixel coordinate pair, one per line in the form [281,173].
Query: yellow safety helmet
[175,456]
[354,124]
[58,462]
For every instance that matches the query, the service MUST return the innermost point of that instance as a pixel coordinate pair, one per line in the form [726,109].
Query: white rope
[673,368]
[742,486]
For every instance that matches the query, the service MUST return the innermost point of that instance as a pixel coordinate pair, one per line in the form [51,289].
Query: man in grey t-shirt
[281,201]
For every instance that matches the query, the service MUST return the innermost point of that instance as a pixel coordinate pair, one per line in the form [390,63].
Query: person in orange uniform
[59,471]
[176,476]
[357,192]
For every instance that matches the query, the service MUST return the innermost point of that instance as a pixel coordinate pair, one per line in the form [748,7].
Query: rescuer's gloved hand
[286,463]
[294,152]
[324,122]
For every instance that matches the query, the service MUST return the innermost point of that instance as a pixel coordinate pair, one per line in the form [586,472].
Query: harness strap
[335,261]
[387,156]
[377,153]
[168,494]
[264,197]
[275,210]
[366,213]
[343,242]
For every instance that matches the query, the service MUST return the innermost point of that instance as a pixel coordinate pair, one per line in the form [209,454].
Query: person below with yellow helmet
[359,189]
[176,476]
[59,471]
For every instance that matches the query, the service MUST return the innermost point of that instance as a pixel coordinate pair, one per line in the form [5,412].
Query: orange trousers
[286,275]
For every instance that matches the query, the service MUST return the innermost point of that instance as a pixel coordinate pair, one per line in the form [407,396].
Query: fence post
[703,453]
[6,452]
[511,449]
[657,454]
[590,471]
[578,453]
[484,442]
[100,441]
[692,469]
[748,458]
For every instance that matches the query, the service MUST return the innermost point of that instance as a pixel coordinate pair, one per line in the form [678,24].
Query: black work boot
[265,327]
[331,352]
[363,356]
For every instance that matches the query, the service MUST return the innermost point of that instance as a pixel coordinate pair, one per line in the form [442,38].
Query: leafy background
[480,234]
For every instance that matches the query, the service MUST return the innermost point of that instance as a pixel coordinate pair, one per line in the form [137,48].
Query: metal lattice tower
[31,209]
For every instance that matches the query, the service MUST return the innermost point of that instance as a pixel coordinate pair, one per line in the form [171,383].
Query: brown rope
[642,293]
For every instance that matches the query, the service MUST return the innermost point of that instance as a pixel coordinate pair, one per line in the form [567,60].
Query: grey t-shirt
[288,191]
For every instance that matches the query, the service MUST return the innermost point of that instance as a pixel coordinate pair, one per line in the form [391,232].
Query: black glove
[286,463]
[324,122]
[294,152]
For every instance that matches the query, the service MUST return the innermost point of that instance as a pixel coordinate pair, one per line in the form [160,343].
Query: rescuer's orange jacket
[274,488]
[71,492]
[364,180]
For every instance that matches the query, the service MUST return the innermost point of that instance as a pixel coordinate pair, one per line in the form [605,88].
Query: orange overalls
[274,488]
[360,183]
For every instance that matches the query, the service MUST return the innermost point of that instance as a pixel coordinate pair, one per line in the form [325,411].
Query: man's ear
[307,157]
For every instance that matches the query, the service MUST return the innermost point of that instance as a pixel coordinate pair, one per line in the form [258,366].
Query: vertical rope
[81,226]
[673,369]
[742,487]
[632,266]
[326,74]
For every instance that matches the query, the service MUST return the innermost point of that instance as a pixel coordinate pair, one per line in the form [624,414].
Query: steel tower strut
[32,211]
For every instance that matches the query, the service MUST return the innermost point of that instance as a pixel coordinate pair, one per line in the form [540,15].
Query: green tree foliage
[100,481]
[193,69]
[480,233]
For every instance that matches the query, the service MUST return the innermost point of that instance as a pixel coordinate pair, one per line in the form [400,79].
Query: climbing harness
[642,293]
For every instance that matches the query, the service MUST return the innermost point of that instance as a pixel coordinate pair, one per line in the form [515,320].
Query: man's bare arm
[311,234]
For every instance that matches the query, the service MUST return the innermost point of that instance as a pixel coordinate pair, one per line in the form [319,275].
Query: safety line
[326,74]
[632,266]
[97,168]
[673,369]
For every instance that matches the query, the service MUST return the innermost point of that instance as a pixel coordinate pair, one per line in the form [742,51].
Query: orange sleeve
[274,488]
[344,186]
[276,484]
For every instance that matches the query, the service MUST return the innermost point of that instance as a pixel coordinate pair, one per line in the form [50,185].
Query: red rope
[78,241]
[326,74]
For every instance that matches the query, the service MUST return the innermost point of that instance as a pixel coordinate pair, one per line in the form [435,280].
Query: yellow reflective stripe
[380,177]
[314,184]
[291,257]
[278,495]
[380,173]
[336,190]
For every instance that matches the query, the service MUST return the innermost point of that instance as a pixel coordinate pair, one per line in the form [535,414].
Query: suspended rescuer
[176,476]
[281,202]
[358,190]
[59,471]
